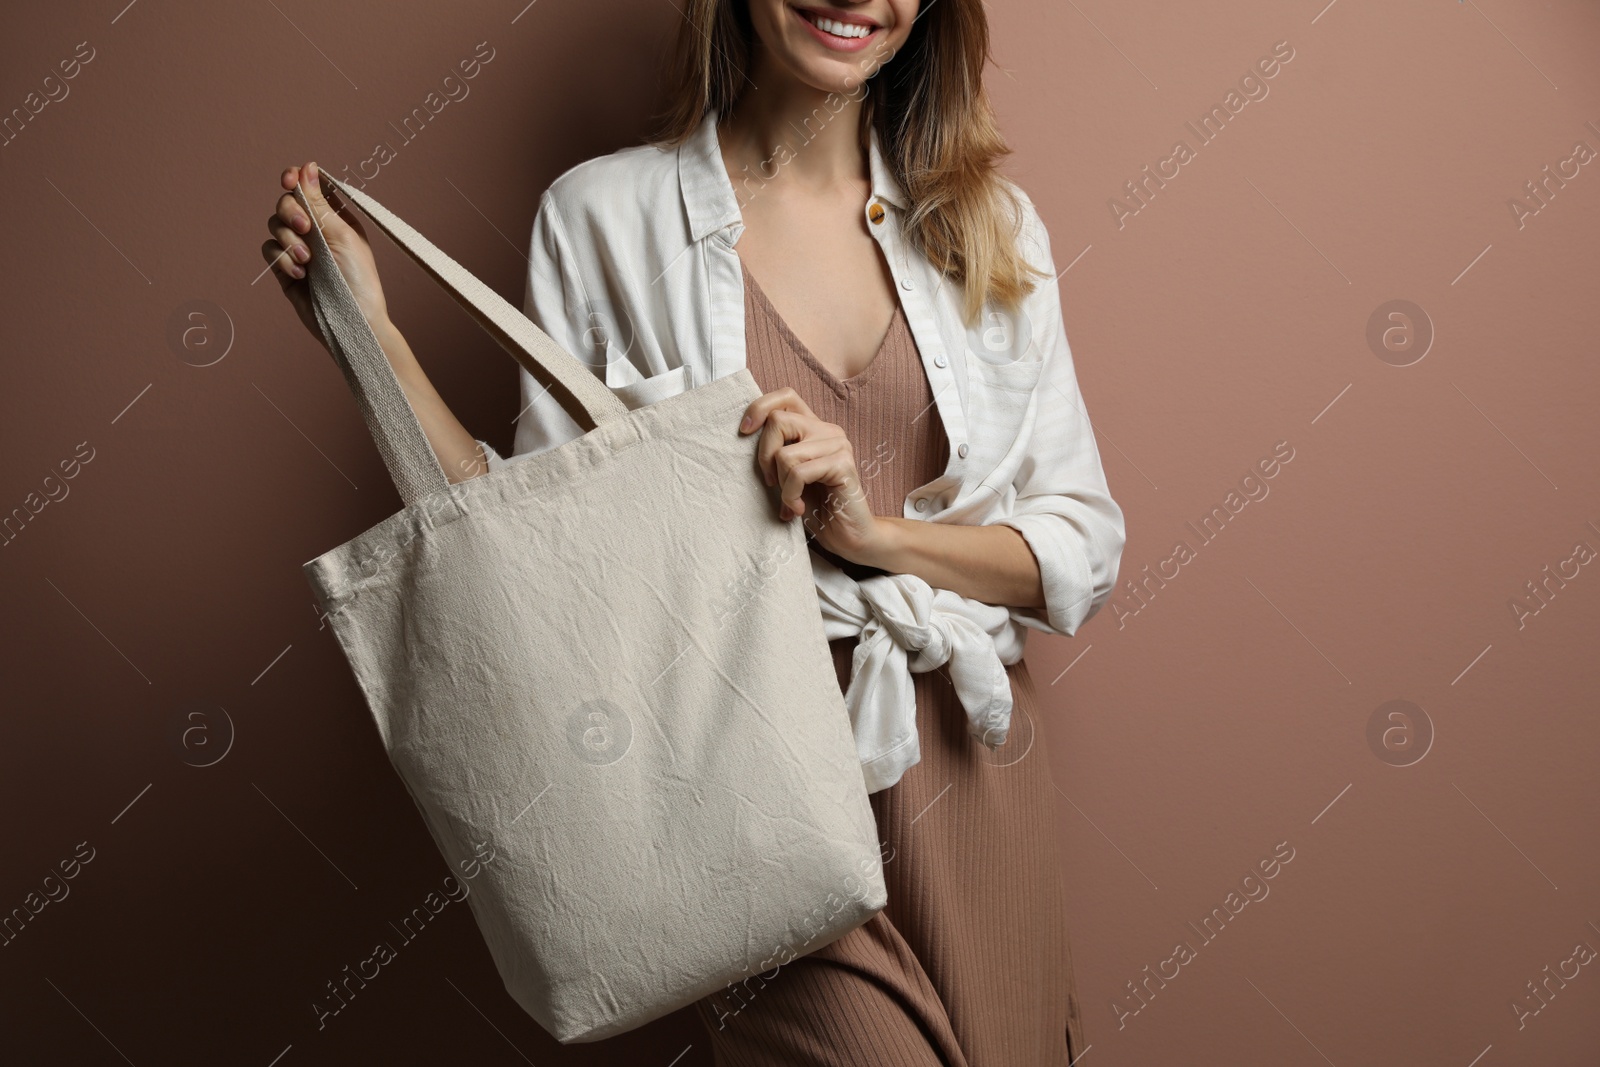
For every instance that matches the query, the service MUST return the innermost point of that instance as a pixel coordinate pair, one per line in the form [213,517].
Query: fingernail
[311,171]
[296,271]
[301,253]
[302,223]
[744,424]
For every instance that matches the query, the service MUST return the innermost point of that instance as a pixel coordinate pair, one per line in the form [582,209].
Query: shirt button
[921,504]
[939,360]
[962,451]
[875,212]
[907,284]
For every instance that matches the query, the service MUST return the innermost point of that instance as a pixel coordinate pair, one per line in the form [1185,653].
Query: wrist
[393,343]
[385,331]
[886,549]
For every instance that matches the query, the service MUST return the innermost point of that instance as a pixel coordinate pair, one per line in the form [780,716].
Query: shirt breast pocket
[635,390]
[1000,403]
[1016,377]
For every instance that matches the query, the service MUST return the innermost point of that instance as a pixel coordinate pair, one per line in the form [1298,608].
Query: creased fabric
[540,635]
[906,627]
[633,267]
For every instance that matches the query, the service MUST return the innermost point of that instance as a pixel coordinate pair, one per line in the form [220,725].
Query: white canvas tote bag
[602,667]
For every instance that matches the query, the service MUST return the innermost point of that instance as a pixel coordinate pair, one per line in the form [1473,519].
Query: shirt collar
[708,195]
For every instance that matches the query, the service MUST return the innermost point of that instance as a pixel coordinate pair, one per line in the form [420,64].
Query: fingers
[832,473]
[287,236]
[289,213]
[284,268]
[287,222]
[311,185]
[326,210]
[782,427]
[287,274]
[778,400]
[827,460]
[778,430]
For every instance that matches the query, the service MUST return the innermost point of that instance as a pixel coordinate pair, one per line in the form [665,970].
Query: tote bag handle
[393,424]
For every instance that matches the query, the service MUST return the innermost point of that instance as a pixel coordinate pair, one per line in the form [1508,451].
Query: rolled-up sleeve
[1063,508]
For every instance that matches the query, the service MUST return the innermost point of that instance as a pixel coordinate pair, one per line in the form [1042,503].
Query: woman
[920,415]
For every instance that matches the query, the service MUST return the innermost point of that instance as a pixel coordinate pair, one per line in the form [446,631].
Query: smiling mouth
[848,31]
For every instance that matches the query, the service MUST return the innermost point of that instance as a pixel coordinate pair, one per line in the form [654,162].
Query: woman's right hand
[288,252]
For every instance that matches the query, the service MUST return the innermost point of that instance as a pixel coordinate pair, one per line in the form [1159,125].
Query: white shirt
[632,268]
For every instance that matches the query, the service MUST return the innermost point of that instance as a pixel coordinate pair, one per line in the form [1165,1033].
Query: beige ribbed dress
[969,964]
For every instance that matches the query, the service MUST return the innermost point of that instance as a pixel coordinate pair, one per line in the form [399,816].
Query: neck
[789,131]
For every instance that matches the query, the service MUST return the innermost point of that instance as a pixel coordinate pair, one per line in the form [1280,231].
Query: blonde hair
[934,122]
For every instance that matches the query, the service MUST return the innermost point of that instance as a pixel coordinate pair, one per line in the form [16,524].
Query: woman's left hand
[814,467]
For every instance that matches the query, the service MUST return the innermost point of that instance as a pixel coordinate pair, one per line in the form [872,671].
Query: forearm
[456,449]
[991,564]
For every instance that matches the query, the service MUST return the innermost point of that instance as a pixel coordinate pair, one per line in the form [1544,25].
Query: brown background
[1230,714]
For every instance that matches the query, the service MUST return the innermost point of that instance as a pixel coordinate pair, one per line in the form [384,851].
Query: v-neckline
[839,385]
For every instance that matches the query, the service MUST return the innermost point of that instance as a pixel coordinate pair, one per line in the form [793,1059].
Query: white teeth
[839,29]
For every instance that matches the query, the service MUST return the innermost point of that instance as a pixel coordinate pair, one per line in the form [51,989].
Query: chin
[832,78]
